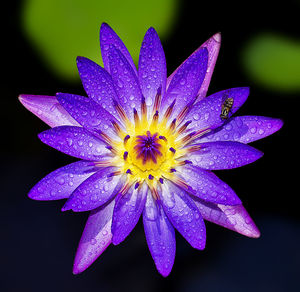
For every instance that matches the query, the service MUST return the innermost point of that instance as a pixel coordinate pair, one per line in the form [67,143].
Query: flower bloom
[147,145]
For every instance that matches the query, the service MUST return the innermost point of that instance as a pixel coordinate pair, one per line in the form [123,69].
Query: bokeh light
[273,61]
[60,30]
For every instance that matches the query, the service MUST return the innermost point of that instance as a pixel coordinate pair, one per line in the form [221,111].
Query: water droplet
[93,241]
[148,101]
[196,117]
[120,83]
[60,180]
[253,130]
[182,81]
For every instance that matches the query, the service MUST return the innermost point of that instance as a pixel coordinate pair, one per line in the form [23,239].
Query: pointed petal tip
[151,30]
[65,207]
[256,233]
[104,25]
[79,59]
[279,123]
[32,195]
[199,245]
[26,99]
[21,98]
[252,231]
[165,272]
[217,37]
[78,267]
[115,241]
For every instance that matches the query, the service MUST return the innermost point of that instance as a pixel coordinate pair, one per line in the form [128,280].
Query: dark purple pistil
[147,147]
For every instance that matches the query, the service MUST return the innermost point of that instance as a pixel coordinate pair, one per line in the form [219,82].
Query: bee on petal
[226,108]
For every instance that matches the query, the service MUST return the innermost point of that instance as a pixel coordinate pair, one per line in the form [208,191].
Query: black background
[38,242]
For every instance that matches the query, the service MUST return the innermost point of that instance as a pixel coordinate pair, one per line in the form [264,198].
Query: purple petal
[127,212]
[109,37]
[126,82]
[183,214]
[244,129]
[94,191]
[206,113]
[48,109]
[60,183]
[95,238]
[213,47]
[75,141]
[152,70]
[224,155]
[160,236]
[207,186]
[88,113]
[232,217]
[98,84]
[186,82]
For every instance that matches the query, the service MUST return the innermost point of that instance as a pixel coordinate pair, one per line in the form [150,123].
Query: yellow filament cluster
[148,171]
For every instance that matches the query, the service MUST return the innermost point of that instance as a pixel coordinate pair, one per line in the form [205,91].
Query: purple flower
[147,145]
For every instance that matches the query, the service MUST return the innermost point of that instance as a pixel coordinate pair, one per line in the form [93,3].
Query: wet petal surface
[152,71]
[75,141]
[60,183]
[186,82]
[48,109]
[88,113]
[97,84]
[235,218]
[244,129]
[95,238]
[127,212]
[207,186]
[94,191]
[160,236]
[126,82]
[109,37]
[213,46]
[183,214]
[224,155]
[207,112]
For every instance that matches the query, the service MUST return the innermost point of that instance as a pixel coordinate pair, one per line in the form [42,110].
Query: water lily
[147,145]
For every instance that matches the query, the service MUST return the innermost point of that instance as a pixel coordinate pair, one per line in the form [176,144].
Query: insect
[226,108]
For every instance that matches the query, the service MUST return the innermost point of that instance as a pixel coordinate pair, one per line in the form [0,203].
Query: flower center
[150,148]
[147,151]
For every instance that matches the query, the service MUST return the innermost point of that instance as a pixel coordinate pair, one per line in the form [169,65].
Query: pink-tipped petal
[48,109]
[235,218]
[213,47]
[95,238]
[186,83]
